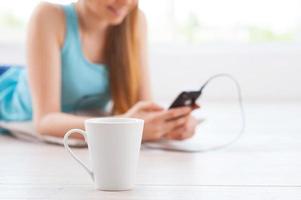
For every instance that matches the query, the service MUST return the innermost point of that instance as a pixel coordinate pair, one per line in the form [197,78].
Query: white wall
[266,72]
[12,53]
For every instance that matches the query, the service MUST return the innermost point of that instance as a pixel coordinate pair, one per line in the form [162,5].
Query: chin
[116,21]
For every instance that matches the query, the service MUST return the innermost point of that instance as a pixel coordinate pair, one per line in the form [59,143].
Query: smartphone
[186,98]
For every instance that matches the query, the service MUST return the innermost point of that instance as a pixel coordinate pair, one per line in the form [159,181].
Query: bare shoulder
[48,18]
[48,13]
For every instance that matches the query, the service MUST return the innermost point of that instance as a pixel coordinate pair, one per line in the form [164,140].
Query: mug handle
[66,137]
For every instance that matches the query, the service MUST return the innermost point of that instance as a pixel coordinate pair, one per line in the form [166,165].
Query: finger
[173,124]
[154,107]
[179,113]
[149,105]
[185,136]
[187,133]
[195,106]
[178,131]
[174,113]
[175,134]
[180,134]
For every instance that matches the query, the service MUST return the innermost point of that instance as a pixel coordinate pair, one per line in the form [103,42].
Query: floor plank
[152,193]
[264,164]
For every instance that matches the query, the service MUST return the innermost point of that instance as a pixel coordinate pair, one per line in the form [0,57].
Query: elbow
[39,126]
[42,124]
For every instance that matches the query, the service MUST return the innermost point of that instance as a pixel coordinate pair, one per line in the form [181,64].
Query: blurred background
[257,41]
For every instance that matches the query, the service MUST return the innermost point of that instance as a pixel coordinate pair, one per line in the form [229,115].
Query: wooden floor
[264,164]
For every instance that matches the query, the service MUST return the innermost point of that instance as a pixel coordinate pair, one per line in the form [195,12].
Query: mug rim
[113,120]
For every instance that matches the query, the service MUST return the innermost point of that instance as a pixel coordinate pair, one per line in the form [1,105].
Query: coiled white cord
[175,145]
[242,112]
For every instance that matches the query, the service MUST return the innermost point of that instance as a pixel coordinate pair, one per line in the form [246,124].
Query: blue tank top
[85,85]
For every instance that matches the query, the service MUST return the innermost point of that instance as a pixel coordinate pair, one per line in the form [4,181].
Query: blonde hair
[122,51]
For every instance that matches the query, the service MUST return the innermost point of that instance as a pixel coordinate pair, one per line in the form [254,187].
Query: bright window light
[201,21]
[190,21]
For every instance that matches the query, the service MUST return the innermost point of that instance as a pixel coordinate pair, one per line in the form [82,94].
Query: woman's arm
[45,38]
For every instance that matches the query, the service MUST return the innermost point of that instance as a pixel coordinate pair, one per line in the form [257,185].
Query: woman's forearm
[57,124]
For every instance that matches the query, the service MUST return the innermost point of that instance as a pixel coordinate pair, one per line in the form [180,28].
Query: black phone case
[186,98]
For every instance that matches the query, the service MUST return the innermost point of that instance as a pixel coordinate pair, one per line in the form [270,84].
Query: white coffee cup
[114,145]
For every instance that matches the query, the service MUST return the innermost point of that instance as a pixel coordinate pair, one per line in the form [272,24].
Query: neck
[88,19]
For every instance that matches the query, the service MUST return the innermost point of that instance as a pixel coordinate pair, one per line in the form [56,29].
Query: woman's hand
[157,121]
[185,131]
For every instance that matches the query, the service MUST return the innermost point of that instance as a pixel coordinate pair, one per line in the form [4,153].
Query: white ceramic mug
[114,145]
